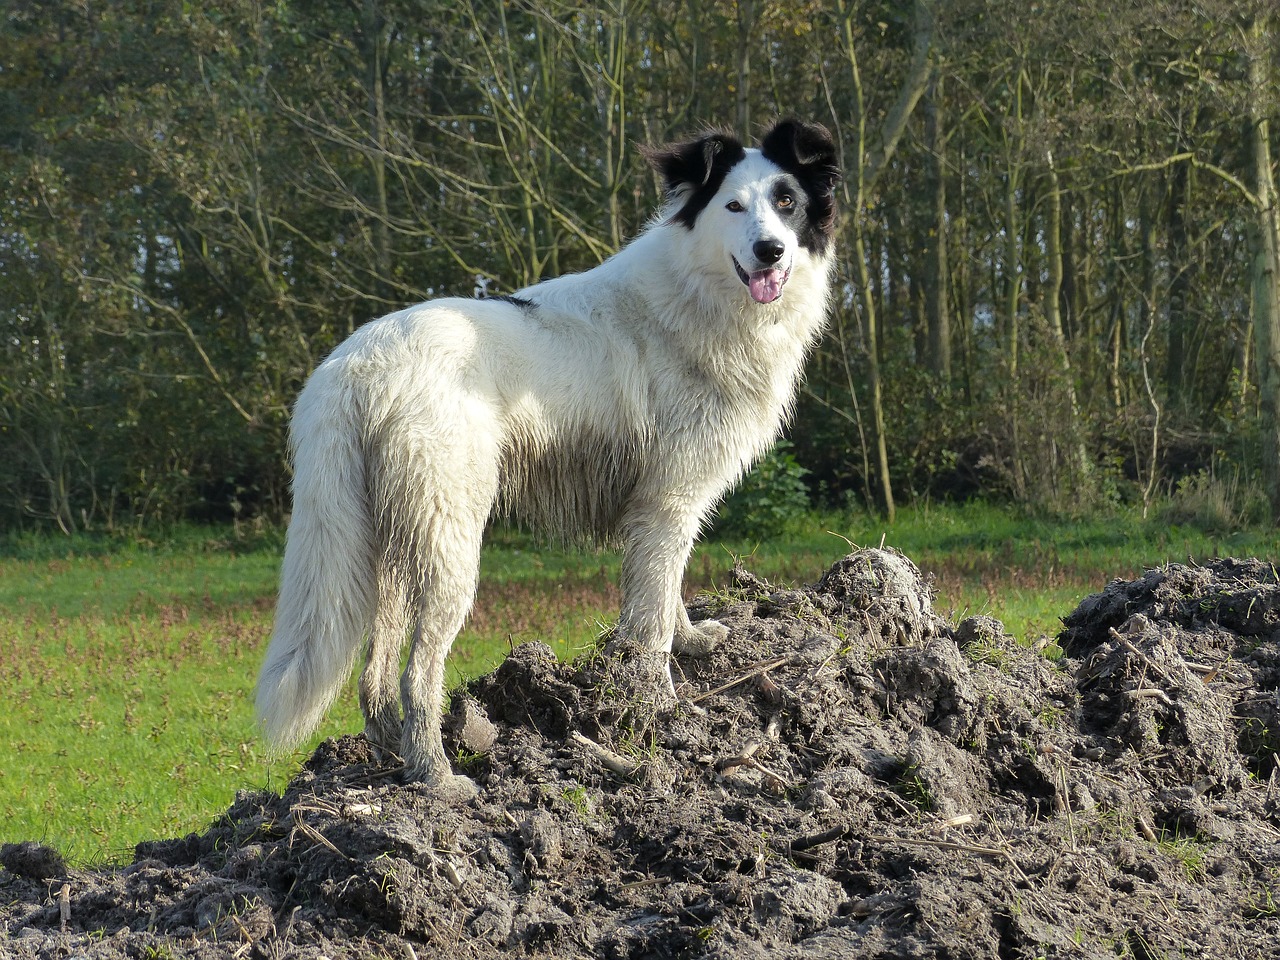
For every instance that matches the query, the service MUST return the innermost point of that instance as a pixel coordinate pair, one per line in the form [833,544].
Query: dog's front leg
[655,550]
[653,611]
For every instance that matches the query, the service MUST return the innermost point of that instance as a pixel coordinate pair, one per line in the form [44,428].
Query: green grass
[128,666]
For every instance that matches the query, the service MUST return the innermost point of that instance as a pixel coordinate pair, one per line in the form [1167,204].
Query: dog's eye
[734,206]
[785,201]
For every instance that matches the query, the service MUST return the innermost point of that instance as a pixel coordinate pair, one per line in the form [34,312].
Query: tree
[867,152]
[1058,242]
[1265,241]
[935,269]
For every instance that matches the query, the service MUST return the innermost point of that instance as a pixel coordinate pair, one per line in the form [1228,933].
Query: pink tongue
[765,286]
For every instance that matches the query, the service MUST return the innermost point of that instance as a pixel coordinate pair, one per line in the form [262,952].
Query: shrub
[1216,502]
[770,497]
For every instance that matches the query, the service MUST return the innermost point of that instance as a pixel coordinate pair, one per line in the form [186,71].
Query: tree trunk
[1180,322]
[374,53]
[1265,270]
[937,315]
[1078,452]
[1012,275]
[961,281]
[746,13]
[1116,253]
[1150,233]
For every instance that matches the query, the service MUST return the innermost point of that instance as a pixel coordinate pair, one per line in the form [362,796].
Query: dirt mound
[847,776]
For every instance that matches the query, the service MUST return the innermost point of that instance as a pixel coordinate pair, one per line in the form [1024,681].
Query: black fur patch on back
[806,151]
[697,164]
[520,302]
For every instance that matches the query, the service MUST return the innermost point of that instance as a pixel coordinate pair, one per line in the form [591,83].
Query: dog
[616,405]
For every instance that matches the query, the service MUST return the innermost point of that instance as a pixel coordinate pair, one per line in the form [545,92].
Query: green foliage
[1217,504]
[914,789]
[1260,904]
[1189,852]
[580,800]
[771,498]
[204,200]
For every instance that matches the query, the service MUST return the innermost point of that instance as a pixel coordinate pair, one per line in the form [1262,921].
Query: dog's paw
[385,738]
[700,639]
[453,788]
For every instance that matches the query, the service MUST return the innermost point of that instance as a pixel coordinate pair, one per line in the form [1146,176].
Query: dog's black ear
[806,150]
[694,163]
[694,169]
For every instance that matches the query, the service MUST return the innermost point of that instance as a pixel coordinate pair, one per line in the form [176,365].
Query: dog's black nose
[769,251]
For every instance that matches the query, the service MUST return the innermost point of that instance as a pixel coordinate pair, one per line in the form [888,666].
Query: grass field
[128,665]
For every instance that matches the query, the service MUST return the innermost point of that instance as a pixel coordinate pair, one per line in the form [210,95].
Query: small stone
[471,726]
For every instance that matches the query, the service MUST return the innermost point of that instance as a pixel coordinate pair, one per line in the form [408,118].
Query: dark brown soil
[849,776]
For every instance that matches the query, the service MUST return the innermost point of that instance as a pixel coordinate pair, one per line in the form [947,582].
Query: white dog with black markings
[616,405]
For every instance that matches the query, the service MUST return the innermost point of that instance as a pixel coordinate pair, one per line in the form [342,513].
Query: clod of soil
[847,776]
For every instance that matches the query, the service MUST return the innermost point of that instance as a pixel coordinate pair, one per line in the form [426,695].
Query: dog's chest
[752,380]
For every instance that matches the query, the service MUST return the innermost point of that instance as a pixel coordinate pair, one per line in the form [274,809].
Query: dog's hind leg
[379,683]
[449,584]
[450,487]
[435,479]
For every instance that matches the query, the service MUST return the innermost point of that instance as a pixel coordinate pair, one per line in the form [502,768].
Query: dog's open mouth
[765,285]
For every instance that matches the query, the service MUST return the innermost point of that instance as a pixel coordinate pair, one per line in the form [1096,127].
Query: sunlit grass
[128,666]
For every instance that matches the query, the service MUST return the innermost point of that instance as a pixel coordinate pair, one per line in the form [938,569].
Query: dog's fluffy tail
[327,587]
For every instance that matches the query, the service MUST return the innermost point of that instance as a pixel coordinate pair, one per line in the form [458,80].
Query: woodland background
[1058,245]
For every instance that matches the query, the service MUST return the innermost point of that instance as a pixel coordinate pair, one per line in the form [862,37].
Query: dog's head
[762,207]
